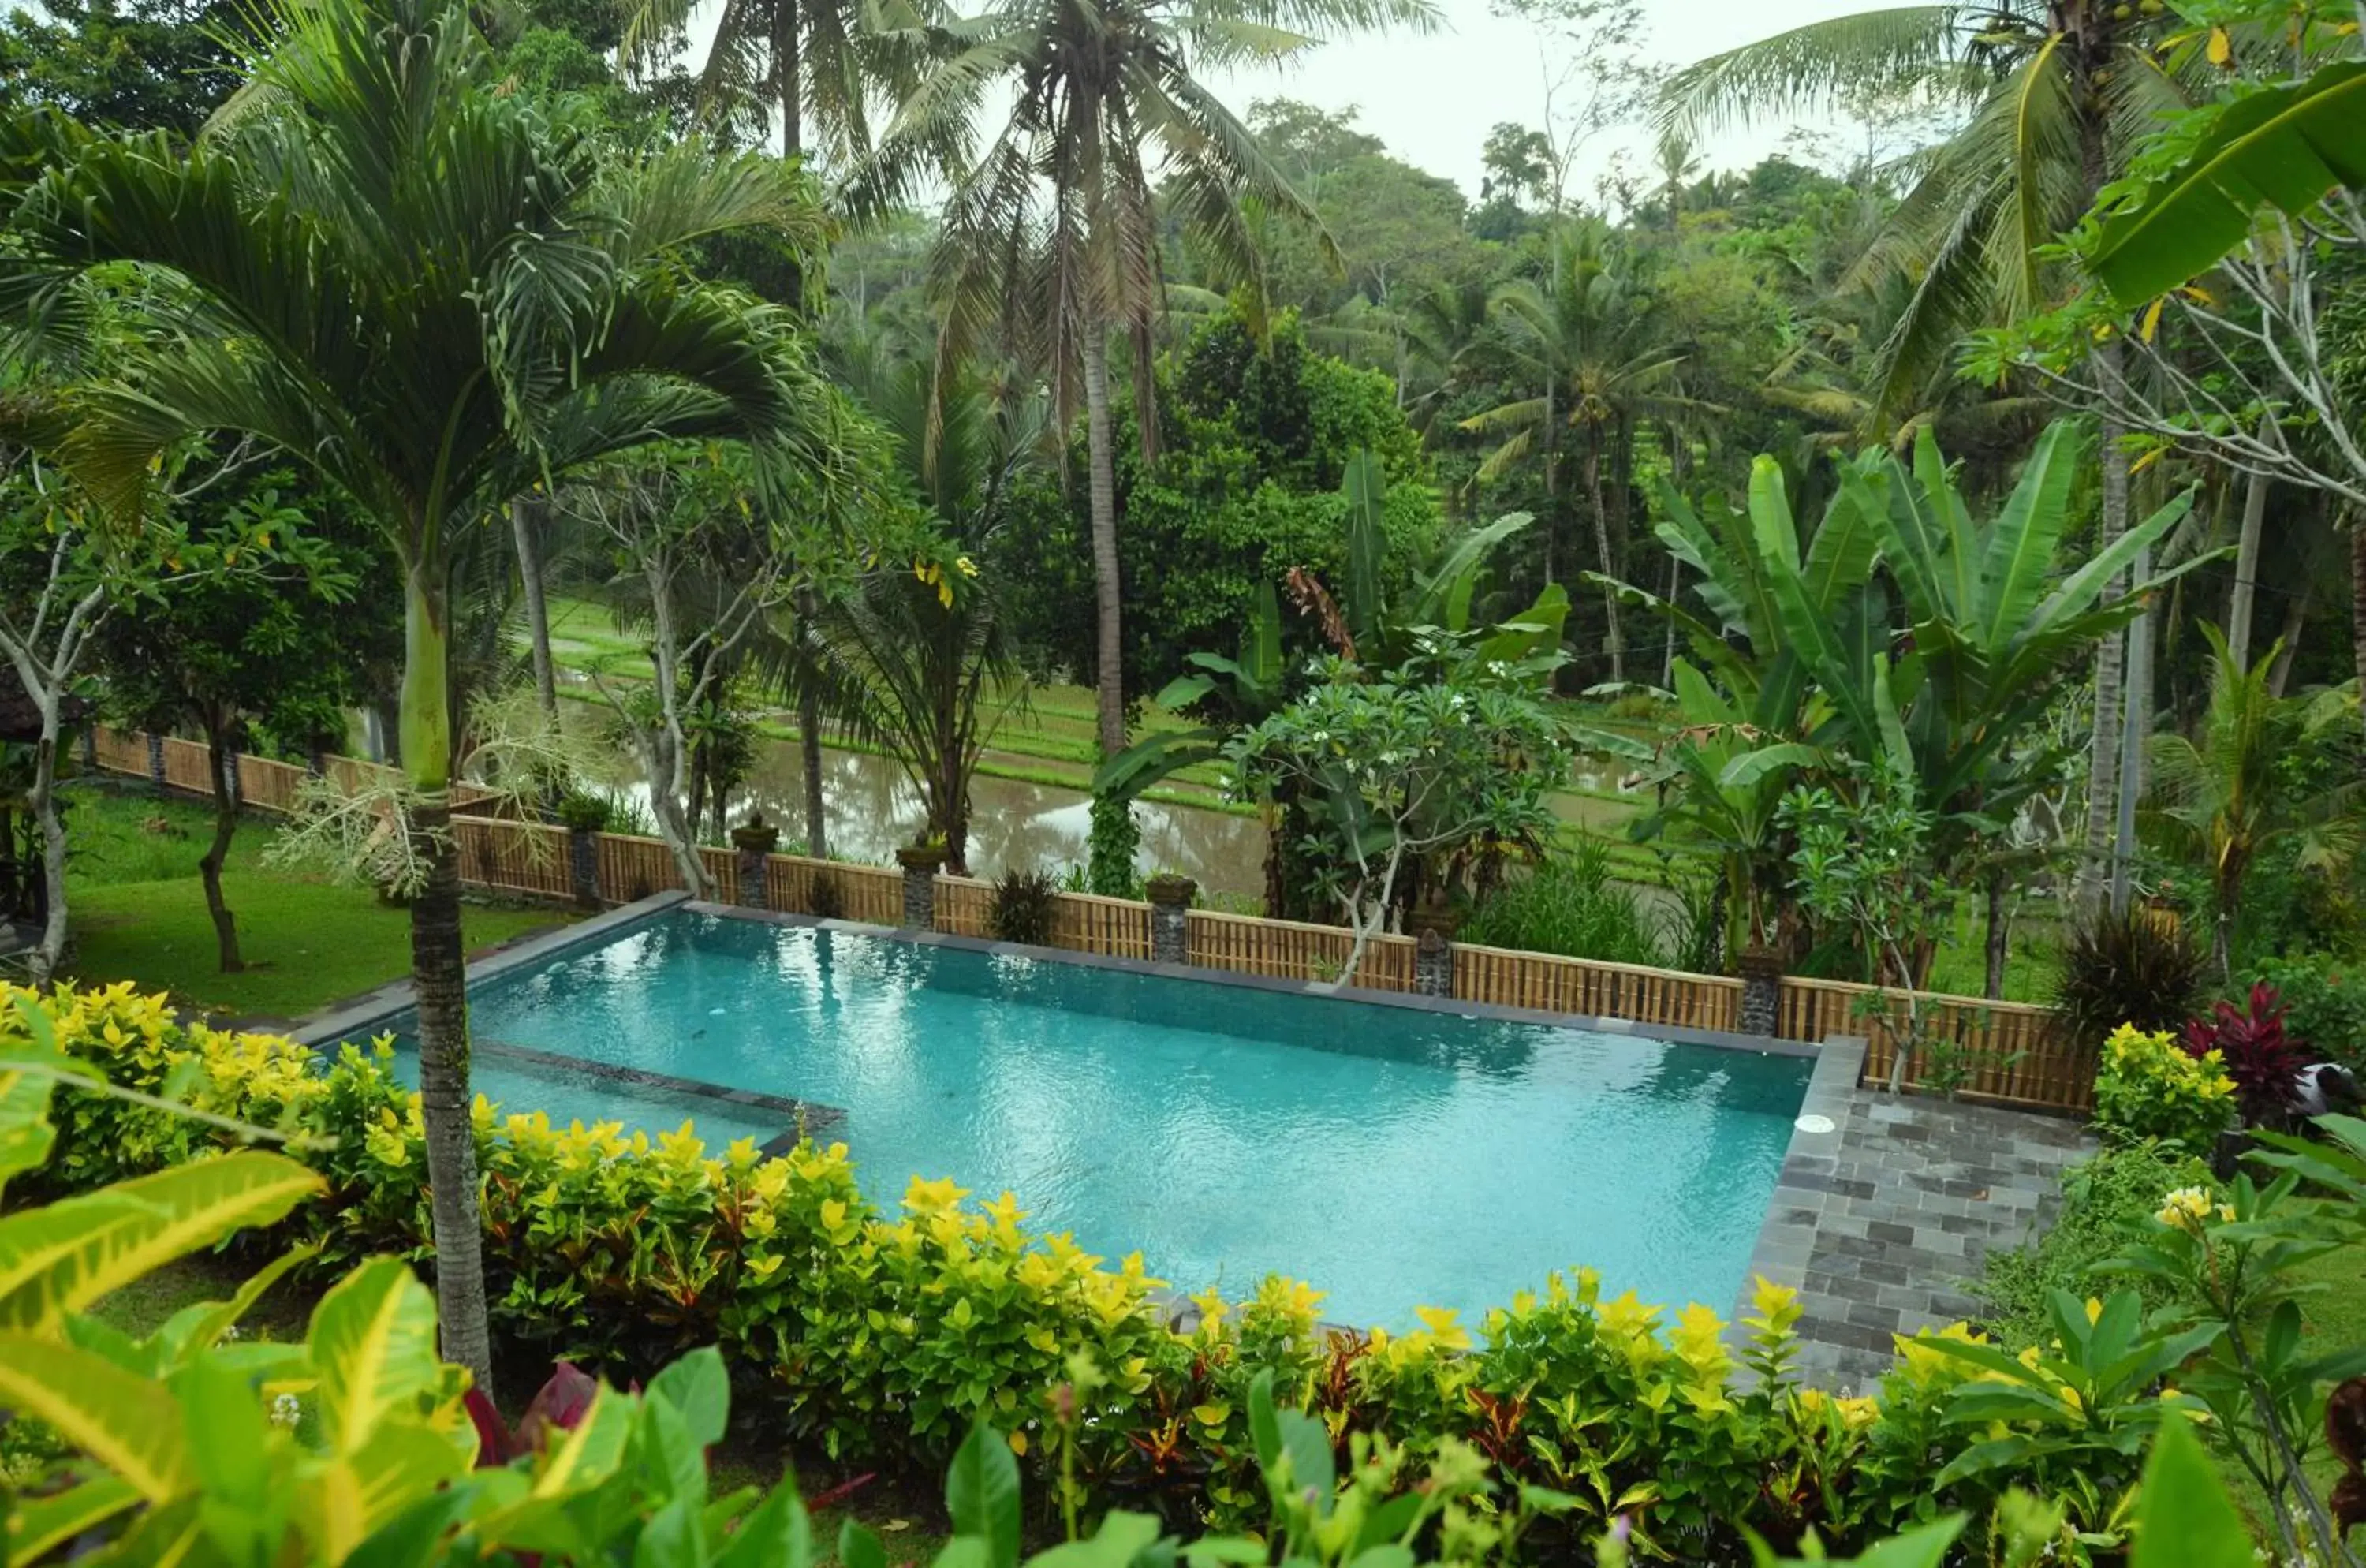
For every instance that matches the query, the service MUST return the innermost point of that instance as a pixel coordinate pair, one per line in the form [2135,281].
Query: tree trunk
[2247,569]
[1668,647]
[2103,756]
[209,868]
[2090,24]
[440,978]
[1601,550]
[1999,929]
[2295,623]
[1551,442]
[809,607]
[2358,602]
[538,613]
[2135,730]
[42,798]
[1108,646]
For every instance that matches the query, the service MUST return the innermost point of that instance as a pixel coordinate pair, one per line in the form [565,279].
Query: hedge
[876,1335]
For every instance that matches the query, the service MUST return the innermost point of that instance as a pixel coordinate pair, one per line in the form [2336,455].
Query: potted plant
[922,855]
[1170,887]
[756,836]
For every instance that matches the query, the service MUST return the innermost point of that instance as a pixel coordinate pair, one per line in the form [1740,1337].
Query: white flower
[285,1410]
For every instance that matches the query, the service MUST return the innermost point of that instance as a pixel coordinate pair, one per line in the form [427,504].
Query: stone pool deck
[1880,1221]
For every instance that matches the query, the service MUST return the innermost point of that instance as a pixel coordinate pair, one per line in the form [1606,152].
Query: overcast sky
[1434,98]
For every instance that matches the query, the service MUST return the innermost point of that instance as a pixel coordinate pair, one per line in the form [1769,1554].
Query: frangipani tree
[385,264]
[1392,772]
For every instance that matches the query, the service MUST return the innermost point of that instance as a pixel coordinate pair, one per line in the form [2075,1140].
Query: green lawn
[139,914]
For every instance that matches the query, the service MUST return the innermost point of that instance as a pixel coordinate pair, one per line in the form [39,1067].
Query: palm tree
[2056,92]
[814,64]
[1586,340]
[2221,797]
[1050,233]
[919,663]
[395,270]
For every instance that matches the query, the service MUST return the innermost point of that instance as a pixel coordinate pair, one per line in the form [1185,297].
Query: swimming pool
[1392,1156]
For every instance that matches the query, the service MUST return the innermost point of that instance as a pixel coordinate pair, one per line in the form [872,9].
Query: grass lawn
[139,913]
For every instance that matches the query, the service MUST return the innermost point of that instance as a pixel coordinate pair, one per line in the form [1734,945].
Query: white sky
[1434,98]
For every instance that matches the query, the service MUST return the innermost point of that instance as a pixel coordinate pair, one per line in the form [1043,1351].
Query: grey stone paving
[1880,1223]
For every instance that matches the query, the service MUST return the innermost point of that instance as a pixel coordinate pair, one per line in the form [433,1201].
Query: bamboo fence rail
[2016,1053]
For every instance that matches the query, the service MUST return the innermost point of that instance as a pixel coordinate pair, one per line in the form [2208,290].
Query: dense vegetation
[1915,548]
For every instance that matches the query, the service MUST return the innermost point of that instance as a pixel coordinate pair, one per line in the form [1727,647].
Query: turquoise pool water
[1390,1157]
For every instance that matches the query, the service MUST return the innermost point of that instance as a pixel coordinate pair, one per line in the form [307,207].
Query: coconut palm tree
[815,65]
[2223,797]
[399,272]
[2055,92]
[1587,339]
[1051,236]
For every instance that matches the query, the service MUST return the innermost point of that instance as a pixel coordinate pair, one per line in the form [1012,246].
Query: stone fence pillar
[753,841]
[1433,926]
[583,865]
[1761,990]
[920,862]
[1170,919]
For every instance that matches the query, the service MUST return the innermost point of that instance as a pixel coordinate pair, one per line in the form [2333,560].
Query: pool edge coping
[356,1017]
[1779,1256]
[1673,1033]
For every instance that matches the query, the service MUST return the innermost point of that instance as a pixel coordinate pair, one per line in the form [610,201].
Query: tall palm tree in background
[1587,340]
[2053,93]
[1051,236]
[815,65]
[393,269]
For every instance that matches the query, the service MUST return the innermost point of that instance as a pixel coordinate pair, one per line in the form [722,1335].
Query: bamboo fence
[2016,1053]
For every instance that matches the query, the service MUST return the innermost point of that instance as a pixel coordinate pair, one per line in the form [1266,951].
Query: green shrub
[2325,1005]
[1115,838]
[2106,1200]
[2138,967]
[580,811]
[1569,905]
[2148,1087]
[1022,906]
[879,1334]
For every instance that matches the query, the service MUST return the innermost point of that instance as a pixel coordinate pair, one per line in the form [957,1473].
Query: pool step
[803,1117]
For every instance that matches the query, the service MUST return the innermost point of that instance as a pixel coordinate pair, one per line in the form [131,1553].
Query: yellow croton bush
[866,1330]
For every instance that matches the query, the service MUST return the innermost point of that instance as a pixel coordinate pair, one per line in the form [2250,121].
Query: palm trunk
[538,613]
[1601,550]
[2246,570]
[2295,623]
[1552,484]
[209,868]
[809,608]
[2358,602]
[1999,929]
[1109,642]
[2090,54]
[440,979]
[2104,758]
